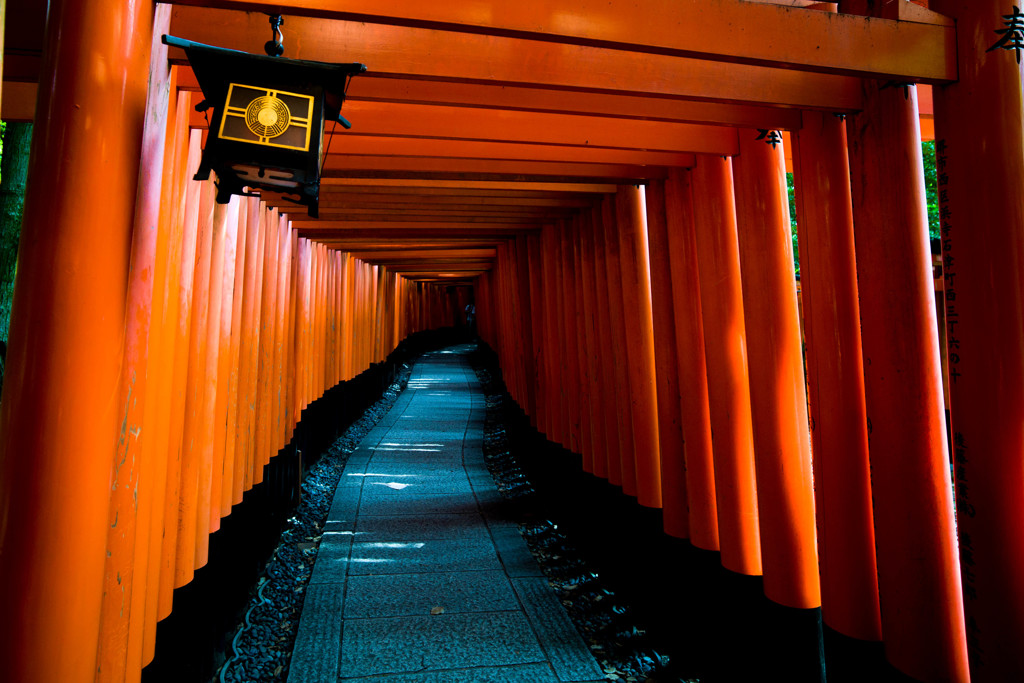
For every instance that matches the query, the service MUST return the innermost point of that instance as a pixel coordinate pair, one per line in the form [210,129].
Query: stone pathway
[420,577]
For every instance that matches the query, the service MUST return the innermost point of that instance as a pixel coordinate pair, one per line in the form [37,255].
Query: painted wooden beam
[716,30]
[398,51]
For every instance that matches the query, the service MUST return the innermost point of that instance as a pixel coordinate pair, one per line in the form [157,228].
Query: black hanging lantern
[267,129]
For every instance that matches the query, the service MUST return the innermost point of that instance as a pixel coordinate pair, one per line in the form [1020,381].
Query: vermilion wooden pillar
[636,289]
[67,327]
[591,314]
[918,570]
[255,242]
[693,381]
[128,531]
[264,248]
[195,391]
[725,348]
[223,368]
[670,429]
[559,399]
[289,311]
[582,347]
[193,203]
[978,127]
[835,377]
[606,365]
[570,369]
[168,340]
[524,294]
[224,217]
[624,474]
[551,344]
[775,366]
[248,220]
[539,352]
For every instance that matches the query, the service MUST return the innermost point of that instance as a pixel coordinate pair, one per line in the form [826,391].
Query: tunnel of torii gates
[601,181]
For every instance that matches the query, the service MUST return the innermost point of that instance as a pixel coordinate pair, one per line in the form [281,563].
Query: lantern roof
[216,67]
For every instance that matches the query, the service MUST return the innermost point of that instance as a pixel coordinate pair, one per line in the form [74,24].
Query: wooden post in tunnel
[194,197]
[582,347]
[551,338]
[218,443]
[675,510]
[224,217]
[271,321]
[918,569]
[560,386]
[591,315]
[785,496]
[195,390]
[569,330]
[164,346]
[636,292]
[524,294]
[624,474]
[725,351]
[693,381]
[835,377]
[247,220]
[252,282]
[979,122]
[134,469]
[65,347]
[538,349]
[607,461]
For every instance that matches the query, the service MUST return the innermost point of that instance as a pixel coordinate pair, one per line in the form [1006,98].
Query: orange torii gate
[163,346]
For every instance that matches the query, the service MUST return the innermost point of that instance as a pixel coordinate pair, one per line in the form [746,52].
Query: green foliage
[792,221]
[15,141]
[931,188]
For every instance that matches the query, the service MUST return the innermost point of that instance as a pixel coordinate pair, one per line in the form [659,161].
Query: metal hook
[275,47]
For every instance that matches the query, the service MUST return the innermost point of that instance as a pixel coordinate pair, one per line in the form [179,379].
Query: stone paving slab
[566,651]
[445,641]
[409,486]
[513,552]
[406,557]
[319,631]
[425,504]
[418,594]
[422,575]
[332,559]
[421,528]
[527,673]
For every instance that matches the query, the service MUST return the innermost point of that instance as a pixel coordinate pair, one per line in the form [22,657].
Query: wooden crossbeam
[358,144]
[411,53]
[730,31]
[371,87]
[422,184]
[353,166]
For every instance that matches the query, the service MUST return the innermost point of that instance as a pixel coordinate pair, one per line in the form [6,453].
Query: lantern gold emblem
[267,116]
[263,116]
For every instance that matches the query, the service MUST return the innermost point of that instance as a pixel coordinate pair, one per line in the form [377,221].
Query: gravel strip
[262,646]
[604,620]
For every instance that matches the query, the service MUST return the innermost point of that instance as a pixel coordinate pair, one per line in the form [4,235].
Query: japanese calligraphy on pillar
[965,508]
[1012,35]
[961,454]
[948,262]
[770,137]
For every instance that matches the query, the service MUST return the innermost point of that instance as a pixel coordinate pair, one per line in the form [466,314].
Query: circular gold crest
[267,116]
